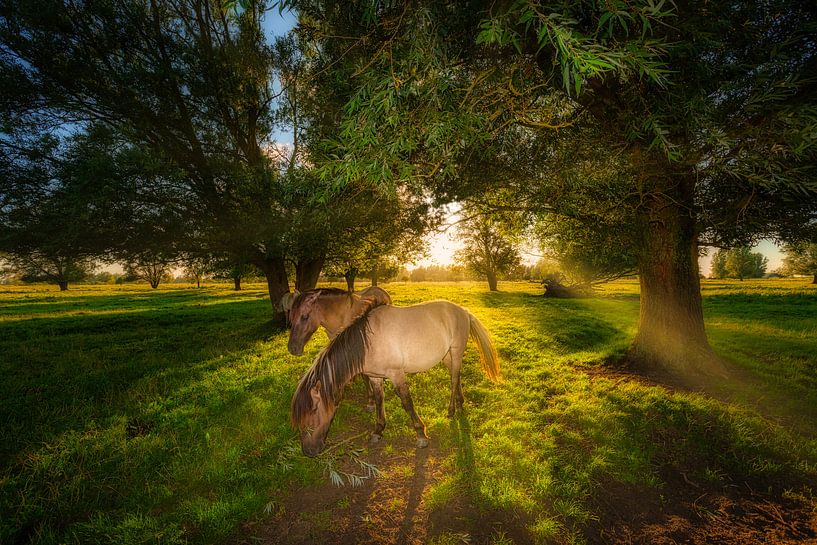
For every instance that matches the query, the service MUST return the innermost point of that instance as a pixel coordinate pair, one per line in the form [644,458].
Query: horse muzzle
[311,451]
[294,349]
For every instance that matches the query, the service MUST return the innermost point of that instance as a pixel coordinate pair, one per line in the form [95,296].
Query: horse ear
[286,301]
[296,293]
[315,392]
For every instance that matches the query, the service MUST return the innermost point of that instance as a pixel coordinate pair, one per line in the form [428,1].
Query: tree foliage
[187,82]
[698,121]
[738,263]
[56,211]
[801,258]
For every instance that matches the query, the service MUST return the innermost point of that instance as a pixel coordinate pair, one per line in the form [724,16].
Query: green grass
[132,415]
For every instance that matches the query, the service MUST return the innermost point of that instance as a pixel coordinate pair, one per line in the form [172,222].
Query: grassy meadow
[131,415]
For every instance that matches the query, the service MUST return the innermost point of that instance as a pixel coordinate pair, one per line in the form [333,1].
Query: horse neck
[337,312]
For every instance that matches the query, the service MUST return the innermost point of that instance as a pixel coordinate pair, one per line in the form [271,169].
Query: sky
[444,244]
[274,25]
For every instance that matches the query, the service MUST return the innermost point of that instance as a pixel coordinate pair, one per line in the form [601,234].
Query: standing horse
[332,308]
[388,342]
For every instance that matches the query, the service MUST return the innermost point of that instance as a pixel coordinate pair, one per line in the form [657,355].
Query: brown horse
[388,342]
[332,308]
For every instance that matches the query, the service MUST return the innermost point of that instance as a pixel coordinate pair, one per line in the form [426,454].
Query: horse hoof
[422,443]
[375,438]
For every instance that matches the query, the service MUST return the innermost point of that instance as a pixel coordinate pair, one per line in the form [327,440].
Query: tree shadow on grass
[798,310]
[72,302]
[563,325]
[62,371]
[467,512]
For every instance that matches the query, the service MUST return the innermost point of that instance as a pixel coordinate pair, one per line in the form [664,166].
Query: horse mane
[334,367]
[301,297]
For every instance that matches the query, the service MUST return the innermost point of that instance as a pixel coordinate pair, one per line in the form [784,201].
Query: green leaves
[579,54]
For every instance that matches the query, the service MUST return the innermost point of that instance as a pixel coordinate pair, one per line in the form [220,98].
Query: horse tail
[487,352]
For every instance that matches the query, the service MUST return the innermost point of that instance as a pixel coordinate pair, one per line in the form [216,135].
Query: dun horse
[388,342]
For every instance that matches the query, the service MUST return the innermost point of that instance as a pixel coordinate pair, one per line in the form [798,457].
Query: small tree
[51,268]
[195,269]
[491,247]
[718,266]
[738,263]
[54,207]
[801,258]
[234,269]
[154,268]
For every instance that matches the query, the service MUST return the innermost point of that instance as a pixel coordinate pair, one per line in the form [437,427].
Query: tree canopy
[661,126]
[491,243]
[695,121]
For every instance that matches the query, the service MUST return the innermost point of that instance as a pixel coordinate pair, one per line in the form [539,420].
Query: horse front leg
[371,402]
[405,398]
[377,393]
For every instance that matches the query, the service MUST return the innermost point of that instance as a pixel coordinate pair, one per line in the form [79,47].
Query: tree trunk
[307,272]
[63,285]
[350,275]
[237,282]
[154,284]
[375,274]
[492,280]
[815,279]
[275,271]
[671,335]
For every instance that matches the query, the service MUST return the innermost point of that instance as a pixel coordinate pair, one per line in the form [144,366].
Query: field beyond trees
[132,415]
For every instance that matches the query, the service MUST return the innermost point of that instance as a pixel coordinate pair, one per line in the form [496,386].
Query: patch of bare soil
[685,512]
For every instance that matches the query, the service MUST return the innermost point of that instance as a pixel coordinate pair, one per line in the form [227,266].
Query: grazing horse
[388,342]
[332,308]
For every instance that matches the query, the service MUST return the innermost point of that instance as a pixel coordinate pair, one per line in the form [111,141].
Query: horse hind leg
[453,360]
[376,385]
[408,404]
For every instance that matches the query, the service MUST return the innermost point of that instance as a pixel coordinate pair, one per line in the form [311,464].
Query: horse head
[321,388]
[305,318]
[312,414]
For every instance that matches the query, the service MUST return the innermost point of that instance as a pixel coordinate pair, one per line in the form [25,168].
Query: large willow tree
[691,122]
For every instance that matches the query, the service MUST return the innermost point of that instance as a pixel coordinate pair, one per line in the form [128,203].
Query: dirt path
[394,509]
[389,509]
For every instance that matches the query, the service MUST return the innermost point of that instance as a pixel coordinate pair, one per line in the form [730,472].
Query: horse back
[416,337]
